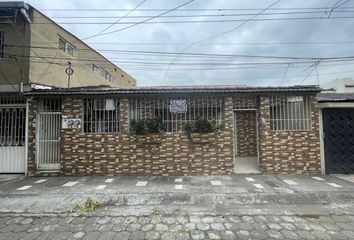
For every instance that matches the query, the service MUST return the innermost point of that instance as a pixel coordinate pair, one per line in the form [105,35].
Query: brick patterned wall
[125,153]
[246,133]
[128,154]
[289,151]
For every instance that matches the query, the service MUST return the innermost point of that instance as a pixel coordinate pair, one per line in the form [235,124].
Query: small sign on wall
[70,123]
[178,106]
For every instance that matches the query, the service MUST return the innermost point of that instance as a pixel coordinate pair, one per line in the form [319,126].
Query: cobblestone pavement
[177,226]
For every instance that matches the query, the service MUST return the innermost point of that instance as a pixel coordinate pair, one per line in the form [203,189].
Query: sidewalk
[60,194]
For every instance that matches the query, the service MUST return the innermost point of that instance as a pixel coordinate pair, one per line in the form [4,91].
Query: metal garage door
[12,134]
[338,127]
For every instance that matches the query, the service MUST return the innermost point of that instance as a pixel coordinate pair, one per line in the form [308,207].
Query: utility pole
[69,71]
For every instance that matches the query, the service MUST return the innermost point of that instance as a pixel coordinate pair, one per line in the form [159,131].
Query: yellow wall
[14,68]
[44,39]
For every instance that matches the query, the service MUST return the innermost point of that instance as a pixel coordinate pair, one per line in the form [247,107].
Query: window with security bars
[101,115]
[289,113]
[2,44]
[210,108]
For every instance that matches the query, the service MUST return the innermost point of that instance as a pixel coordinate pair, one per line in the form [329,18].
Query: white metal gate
[48,135]
[12,134]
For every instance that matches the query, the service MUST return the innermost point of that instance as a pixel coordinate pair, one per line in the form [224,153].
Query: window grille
[210,108]
[245,102]
[101,115]
[290,113]
[49,105]
[12,100]
[2,43]
[66,47]
[12,126]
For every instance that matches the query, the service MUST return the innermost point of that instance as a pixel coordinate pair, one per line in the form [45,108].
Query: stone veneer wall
[125,153]
[246,134]
[289,151]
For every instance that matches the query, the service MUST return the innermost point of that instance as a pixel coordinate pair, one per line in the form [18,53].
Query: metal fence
[210,108]
[290,113]
[101,115]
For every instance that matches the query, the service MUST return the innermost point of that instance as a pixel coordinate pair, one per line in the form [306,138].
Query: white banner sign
[178,106]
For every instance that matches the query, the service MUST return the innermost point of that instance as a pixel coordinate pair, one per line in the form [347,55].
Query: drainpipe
[26,138]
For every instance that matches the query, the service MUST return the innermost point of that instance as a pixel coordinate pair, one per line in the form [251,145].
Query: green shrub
[153,125]
[203,126]
[88,206]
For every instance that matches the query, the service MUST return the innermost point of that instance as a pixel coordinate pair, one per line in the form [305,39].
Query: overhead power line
[195,21]
[187,9]
[147,20]
[218,35]
[120,18]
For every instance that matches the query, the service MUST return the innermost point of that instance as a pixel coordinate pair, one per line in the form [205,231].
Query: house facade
[36,50]
[90,131]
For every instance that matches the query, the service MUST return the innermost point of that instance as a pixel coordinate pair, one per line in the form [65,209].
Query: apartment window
[95,68]
[101,115]
[290,113]
[66,47]
[2,43]
[176,112]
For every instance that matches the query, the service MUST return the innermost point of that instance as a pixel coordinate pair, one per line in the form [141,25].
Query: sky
[204,52]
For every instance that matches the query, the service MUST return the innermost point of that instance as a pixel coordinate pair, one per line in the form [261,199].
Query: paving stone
[288,219]
[247,219]
[274,226]
[195,234]
[195,219]
[161,227]
[234,219]
[119,227]
[317,227]
[203,226]
[109,235]
[302,226]
[32,236]
[103,220]
[217,226]
[152,235]
[117,220]
[347,233]
[27,221]
[147,227]
[92,236]
[168,236]
[228,235]
[305,234]
[273,234]
[243,234]
[190,226]
[287,226]
[241,226]
[260,226]
[130,220]
[121,235]
[175,228]
[170,220]
[213,235]
[258,234]
[137,235]
[182,219]
[345,226]
[322,235]
[182,236]
[132,227]
[208,220]
[78,235]
[290,234]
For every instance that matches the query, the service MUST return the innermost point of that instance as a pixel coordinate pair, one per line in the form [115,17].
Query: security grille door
[12,138]
[48,135]
[338,127]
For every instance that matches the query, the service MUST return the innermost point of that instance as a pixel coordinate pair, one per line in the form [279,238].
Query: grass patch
[89,206]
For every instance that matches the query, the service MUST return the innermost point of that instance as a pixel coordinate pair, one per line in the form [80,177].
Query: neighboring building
[340,85]
[337,132]
[35,50]
[87,131]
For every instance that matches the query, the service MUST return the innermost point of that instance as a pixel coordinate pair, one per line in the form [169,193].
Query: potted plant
[203,130]
[148,131]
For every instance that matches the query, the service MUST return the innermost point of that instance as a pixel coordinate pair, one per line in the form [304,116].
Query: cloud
[176,36]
